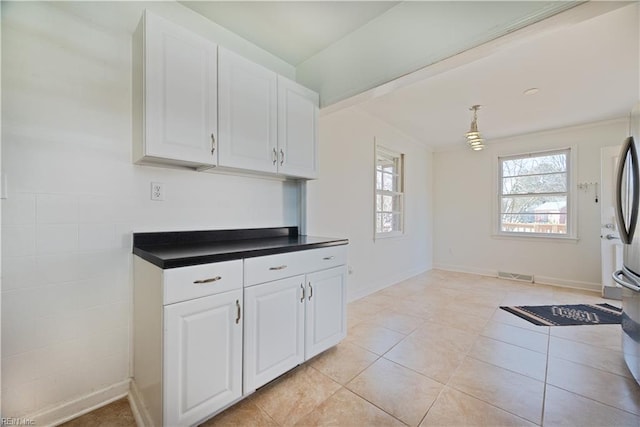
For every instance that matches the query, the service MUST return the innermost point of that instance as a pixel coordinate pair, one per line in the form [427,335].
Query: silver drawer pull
[213,279]
[328,258]
[280,267]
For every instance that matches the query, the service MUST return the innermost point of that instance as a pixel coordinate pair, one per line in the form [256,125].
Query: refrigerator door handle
[626,233]
[617,277]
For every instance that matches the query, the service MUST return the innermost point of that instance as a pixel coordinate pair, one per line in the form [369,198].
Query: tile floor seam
[411,369]
[594,400]
[546,373]
[597,401]
[578,341]
[523,328]
[264,413]
[491,404]
[431,405]
[372,403]
[591,367]
[507,342]
[320,404]
[330,395]
[507,369]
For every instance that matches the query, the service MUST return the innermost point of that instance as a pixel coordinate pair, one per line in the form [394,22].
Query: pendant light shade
[474,139]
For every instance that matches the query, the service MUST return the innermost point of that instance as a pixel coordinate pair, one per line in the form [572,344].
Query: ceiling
[586,65]
[291,30]
[585,72]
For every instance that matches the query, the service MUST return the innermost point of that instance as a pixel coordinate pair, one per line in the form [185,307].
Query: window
[389,199]
[534,194]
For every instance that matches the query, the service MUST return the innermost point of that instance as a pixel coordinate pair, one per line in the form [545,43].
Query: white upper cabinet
[174,95]
[268,123]
[297,129]
[247,114]
[199,105]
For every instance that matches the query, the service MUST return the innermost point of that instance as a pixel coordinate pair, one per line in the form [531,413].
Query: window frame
[380,149]
[571,211]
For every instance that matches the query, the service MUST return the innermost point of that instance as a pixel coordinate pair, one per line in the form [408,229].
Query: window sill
[536,237]
[390,235]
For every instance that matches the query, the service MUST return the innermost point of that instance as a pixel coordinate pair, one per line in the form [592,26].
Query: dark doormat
[565,315]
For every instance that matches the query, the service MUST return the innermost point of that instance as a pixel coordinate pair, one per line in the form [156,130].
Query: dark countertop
[184,248]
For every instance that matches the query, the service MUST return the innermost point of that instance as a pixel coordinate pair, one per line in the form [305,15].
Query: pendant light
[474,139]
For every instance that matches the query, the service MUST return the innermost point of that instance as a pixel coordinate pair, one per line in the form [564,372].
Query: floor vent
[516,276]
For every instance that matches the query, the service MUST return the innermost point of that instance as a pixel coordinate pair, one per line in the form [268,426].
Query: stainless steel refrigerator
[627,211]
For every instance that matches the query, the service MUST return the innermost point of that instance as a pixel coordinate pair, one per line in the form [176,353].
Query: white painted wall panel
[340,202]
[464,193]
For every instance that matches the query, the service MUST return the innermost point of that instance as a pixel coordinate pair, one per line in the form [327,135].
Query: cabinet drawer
[181,284]
[273,267]
[323,258]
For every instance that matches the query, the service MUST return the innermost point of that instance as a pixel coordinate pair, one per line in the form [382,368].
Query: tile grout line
[546,374]
[467,354]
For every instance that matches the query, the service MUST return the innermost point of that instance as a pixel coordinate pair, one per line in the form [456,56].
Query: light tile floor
[436,350]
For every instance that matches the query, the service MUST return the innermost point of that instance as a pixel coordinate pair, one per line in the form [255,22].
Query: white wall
[1,195]
[340,203]
[75,197]
[465,189]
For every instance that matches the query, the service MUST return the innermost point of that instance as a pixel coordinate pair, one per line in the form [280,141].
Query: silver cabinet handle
[275,156]
[302,287]
[239,311]
[213,143]
[328,258]
[202,281]
[310,291]
[280,267]
[281,157]
[611,237]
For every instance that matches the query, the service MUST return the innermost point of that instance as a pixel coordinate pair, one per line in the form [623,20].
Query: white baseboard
[573,284]
[140,413]
[462,269]
[74,408]
[386,282]
[542,280]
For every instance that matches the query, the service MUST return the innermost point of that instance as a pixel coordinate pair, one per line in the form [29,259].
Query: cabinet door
[202,366]
[274,330]
[180,81]
[247,114]
[326,320]
[297,130]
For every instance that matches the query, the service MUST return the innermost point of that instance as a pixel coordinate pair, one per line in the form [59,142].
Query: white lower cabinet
[291,320]
[187,335]
[326,317]
[207,335]
[273,330]
[203,357]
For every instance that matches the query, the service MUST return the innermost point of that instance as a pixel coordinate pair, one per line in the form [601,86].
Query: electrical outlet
[157,191]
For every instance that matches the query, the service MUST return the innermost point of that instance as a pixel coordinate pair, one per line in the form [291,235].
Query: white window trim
[572,199]
[396,233]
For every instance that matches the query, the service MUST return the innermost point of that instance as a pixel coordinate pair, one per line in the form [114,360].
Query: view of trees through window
[534,190]
[389,193]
